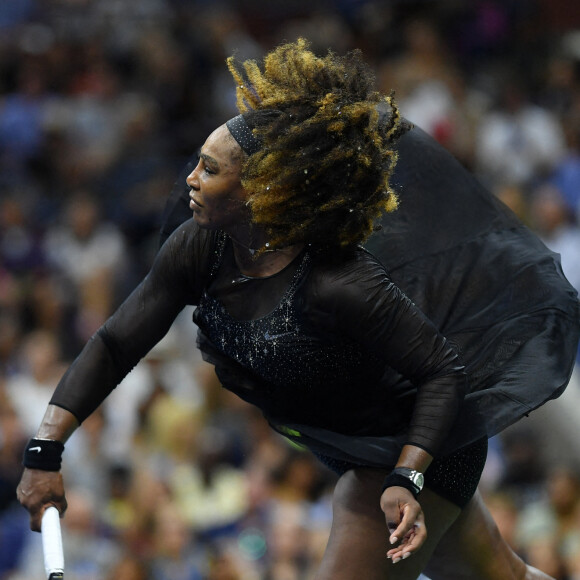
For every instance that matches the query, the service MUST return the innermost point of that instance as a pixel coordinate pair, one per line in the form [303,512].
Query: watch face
[419,480]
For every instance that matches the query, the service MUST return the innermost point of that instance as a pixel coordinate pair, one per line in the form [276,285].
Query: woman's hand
[405,522]
[38,490]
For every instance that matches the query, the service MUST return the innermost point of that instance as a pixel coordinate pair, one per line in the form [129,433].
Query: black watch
[410,479]
[414,476]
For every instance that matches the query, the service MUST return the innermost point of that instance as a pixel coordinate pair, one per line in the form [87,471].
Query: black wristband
[44,454]
[396,479]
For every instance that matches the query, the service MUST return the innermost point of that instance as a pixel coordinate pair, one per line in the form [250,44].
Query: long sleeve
[369,307]
[176,279]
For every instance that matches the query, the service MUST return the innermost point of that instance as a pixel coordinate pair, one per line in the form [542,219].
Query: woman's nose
[192,180]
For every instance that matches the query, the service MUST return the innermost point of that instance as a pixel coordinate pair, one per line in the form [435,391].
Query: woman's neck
[253,254]
[267,263]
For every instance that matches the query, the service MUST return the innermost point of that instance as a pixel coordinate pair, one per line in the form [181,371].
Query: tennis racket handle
[52,544]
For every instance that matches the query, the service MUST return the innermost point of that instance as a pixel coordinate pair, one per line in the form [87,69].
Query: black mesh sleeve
[369,307]
[176,279]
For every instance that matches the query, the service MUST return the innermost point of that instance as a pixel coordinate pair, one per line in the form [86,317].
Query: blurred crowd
[101,104]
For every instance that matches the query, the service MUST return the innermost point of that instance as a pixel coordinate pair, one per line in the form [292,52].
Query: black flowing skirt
[486,281]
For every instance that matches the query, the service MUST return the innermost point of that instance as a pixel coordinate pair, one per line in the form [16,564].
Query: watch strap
[401,477]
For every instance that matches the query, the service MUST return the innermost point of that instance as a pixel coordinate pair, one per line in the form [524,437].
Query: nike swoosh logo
[37,449]
[269,336]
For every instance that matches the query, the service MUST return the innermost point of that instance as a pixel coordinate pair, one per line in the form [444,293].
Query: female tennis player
[393,354]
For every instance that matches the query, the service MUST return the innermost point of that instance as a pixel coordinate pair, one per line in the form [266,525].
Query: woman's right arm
[139,323]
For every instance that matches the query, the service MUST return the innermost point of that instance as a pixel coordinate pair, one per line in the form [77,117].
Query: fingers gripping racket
[52,544]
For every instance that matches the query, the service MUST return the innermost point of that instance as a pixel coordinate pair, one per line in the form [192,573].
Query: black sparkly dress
[353,355]
[485,280]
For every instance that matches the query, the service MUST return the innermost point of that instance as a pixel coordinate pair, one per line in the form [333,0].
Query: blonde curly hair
[322,174]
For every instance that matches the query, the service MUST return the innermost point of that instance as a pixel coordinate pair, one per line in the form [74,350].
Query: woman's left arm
[377,314]
[390,326]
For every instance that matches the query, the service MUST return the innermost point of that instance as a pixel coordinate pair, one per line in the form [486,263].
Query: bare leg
[473,549]
[358,540]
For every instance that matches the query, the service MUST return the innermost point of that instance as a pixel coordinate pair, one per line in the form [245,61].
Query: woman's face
[217,196]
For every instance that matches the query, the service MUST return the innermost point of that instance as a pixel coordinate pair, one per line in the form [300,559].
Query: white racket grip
[52,544]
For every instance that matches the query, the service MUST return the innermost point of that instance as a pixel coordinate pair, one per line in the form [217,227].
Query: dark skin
[218,201]
[40,489]
[411,531]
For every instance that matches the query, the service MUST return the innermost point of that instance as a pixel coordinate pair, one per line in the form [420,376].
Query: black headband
[240,131]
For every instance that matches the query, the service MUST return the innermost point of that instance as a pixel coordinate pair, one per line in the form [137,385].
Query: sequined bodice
[278,361]
[261,345]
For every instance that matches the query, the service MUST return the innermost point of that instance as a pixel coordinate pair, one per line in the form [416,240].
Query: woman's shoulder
[342,264]
[352,293]
[345,275]
[191,250]
[189,237]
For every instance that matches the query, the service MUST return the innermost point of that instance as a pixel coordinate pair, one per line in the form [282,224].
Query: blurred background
[101,104]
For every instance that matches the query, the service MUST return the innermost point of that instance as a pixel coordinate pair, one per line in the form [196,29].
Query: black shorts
[454,477]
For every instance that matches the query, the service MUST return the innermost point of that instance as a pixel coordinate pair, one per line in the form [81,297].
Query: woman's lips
[193,204]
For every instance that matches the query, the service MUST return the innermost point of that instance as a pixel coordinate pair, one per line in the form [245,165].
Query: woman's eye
[208,170]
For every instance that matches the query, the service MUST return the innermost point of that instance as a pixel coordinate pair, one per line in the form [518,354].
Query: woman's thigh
[358,540]
[473,549]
